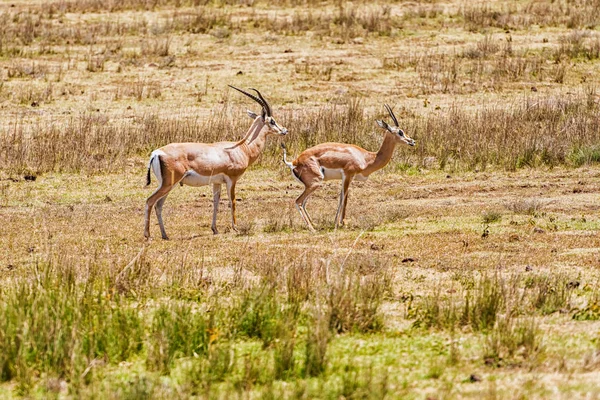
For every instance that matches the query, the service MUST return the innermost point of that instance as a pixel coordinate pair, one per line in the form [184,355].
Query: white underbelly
[331,174]
[192,178]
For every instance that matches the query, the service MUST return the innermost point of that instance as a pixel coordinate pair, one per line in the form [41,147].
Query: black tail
[148,172]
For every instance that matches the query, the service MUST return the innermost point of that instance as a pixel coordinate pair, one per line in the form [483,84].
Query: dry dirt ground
[428,228]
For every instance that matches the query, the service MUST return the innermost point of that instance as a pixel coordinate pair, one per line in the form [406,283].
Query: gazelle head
[395,130]
[271,125]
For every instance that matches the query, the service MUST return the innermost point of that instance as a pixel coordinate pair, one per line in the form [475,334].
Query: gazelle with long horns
[200,164]
[347,162]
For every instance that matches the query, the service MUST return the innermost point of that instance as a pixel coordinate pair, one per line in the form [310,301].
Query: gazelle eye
[272,122]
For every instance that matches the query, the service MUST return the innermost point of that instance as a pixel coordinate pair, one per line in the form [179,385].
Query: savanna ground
[468,267]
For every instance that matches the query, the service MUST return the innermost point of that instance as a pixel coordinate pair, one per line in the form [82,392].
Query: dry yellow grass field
[468,267]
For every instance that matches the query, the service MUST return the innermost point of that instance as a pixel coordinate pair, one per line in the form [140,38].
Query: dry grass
[510,137]
[467,268]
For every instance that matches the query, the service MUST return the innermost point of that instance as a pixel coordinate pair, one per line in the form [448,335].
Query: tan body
[328,161]
[201,164]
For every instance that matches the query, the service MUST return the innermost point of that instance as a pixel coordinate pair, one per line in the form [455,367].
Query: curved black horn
[392,114]
[265,102]
[253,97]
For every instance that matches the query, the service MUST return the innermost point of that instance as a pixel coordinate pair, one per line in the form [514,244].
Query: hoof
[165,237]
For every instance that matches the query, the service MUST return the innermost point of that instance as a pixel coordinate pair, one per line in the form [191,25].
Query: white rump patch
[156,165]
[192,178]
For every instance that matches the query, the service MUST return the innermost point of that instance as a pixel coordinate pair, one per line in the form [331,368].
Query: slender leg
[158,208]
[156,196]
[343,197]
[346,184]
[301,202]
[304,208]
[231,195]
[216,198]
[337,213]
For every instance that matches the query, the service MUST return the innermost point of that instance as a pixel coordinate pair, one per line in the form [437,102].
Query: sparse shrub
[278,223]
[483,49]
[245,228]
[159,47]
[95,63]
[355,298]
[479,307]
[589,313]
[177,331]
[513,341]
[559,72]
[258,313]
[363,383]
[549,293]
[198,20]
[284,346]
[526,206]
[202,373]
[437,311]
[138,386]
[317,340]
[436,369]
[578,44]
[491,216]
[584,155]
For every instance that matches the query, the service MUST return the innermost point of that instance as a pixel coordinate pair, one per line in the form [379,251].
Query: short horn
[253,97]
[392,114]
[265,102]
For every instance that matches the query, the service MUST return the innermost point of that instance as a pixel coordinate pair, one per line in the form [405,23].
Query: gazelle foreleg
[344,208]
[231,194]
[341,211]
[346,183]
[216,199]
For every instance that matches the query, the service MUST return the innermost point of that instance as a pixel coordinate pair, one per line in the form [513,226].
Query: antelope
[328,161]
[200,164]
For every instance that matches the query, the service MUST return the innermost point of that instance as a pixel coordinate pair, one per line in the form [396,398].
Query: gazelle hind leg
[158,208]
[167,179]
[306,212]
[301,204]
[161,192]
[306,220]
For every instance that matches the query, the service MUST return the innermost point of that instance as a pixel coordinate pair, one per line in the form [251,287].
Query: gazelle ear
[383,124]
[252,114]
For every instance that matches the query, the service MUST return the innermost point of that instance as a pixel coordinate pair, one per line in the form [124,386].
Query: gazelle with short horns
[347,162]
[200,164]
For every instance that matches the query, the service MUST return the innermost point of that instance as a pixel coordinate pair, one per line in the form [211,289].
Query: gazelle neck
[255,139]
[385,153]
